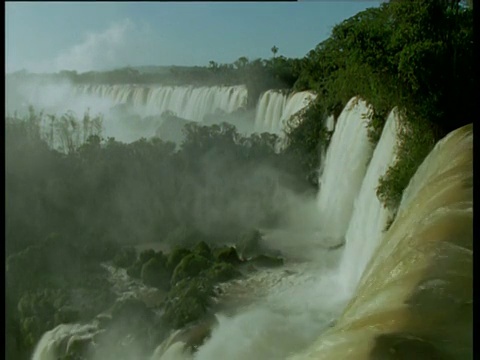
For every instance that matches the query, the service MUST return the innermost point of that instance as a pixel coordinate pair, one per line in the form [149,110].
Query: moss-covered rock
[187,301]
[176,256]
[190,266]
[154,273]
[220,272]
[203,249]
[228,255]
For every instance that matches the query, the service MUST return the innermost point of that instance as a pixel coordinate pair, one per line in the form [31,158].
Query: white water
[58,98]
[330,123]
[330,126]
[275,108]
[288,308]
[417,289]
[187,102]
[369,217]
[345,166]
[56,342]
[291,306]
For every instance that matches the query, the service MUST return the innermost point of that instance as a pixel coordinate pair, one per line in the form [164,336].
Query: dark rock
[228,255]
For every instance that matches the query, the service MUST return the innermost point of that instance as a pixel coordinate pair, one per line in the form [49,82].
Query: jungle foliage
[414,55]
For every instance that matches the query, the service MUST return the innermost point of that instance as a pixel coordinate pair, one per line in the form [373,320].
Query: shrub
[415,141]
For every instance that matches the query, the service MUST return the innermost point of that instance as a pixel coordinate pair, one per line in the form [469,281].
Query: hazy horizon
[50,37]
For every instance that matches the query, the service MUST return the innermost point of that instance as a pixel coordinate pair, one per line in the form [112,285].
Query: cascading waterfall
[58,98]
[330,126]
[369,216]
[412,284]
[187,102]
[345,166]
[330,123]
[275,108]
[415,297]
[57,342]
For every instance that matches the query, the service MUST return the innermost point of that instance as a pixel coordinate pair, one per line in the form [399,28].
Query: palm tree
[274,50]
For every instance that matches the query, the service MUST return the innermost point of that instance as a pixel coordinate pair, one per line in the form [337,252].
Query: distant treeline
[258,75]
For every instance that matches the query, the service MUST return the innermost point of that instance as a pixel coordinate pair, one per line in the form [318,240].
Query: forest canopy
[414,55]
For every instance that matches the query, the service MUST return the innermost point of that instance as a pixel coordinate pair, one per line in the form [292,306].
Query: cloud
[122,43]
[99,50]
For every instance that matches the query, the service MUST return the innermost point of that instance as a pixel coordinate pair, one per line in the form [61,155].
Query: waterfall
[330,123]
[369,217]
[346,162]
[412,283]
[330,126]
[57,342]
[187,102]
[415,295]
[275,108]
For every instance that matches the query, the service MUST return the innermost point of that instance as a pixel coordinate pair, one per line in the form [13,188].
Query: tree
[241,62]
[212,65]
[274,50]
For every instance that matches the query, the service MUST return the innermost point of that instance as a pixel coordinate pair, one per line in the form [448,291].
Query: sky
[84,36]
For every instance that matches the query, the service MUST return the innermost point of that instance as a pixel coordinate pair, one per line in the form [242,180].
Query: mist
[84,185]
[112,173]
[179,188]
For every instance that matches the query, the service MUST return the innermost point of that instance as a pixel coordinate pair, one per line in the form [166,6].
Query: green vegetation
[228,255]
[193,279]
[417,55]
[46,286]
[68,211]
[190,275]
[75,200]
[95,188]
[189,266]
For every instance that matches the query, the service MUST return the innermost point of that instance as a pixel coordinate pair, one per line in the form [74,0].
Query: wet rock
[228,255]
